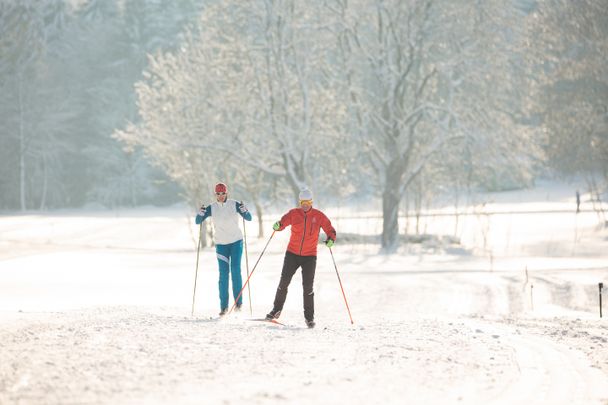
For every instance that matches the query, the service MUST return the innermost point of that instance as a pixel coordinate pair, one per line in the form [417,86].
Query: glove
[242,208]
[202,211]
[329,243]
[276,226]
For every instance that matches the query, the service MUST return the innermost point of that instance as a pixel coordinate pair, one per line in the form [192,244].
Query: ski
[267,320]
[286,325]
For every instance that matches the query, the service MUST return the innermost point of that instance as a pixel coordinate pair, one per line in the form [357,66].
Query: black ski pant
[290,265]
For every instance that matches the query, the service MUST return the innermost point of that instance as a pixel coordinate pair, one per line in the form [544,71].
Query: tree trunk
[390,220]
[45,183]
[295,187]
[258,208]
[391,199]
[21,151]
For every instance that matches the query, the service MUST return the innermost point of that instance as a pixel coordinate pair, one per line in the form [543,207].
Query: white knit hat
[305,194]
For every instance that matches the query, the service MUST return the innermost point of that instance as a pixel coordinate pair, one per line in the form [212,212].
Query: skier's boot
[310,323]
[238,307]
[224,311]
[274,314]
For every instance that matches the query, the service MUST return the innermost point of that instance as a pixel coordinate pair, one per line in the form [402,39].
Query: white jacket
[225,221]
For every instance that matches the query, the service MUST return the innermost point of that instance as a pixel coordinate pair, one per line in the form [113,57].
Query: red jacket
[305,228]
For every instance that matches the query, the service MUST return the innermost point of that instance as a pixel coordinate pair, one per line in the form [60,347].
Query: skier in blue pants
[228,242]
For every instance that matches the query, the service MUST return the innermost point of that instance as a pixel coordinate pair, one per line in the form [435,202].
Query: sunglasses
[305,202]
[220,193]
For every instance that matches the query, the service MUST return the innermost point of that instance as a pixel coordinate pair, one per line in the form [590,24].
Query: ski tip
[266,320]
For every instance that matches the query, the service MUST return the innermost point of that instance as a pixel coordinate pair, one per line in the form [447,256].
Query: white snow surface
[95,308]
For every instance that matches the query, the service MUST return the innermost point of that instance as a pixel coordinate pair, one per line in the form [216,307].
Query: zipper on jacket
[303,235]
[311,226]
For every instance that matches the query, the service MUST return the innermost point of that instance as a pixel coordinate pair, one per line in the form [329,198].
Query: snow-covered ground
[95,308]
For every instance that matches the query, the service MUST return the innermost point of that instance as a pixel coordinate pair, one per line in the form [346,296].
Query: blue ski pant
[229,261]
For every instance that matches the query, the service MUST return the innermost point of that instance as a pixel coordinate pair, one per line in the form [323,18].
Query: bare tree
[416,77]
[567,48]
[36,116]
[247,85]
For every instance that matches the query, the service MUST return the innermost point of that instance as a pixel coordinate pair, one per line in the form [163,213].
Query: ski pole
[600,285]
[252,270]
[198,250]
[342,288]
[247,264]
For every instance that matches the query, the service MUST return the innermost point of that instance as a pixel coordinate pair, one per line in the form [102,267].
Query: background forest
[133,102]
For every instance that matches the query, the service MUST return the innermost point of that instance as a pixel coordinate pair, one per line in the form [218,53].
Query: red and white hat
[221,188]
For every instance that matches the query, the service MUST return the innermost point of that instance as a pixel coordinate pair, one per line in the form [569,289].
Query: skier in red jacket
[301,252]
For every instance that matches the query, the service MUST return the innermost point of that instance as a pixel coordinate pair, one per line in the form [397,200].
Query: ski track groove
[548,372]
[126,355]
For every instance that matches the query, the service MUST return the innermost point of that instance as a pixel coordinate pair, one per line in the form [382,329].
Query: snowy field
[95,308]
